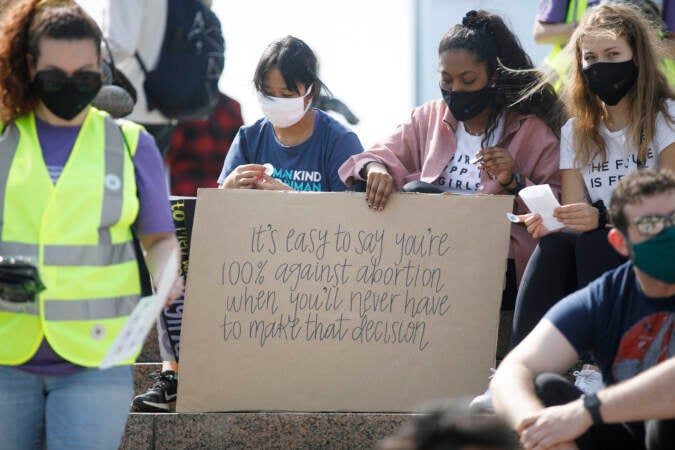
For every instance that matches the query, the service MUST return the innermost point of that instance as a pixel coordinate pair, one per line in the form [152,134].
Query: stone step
[260,430]
[269,430]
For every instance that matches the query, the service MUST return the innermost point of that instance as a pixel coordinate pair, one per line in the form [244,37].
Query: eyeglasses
[54,79]
[652,224]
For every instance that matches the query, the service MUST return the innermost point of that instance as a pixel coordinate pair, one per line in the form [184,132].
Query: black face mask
[466,105]
[66,96]
[611,81]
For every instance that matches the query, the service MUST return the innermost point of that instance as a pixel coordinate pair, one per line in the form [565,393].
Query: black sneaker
[161,397]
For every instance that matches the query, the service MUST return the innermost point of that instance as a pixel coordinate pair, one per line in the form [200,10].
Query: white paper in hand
[142,318]
[540,200]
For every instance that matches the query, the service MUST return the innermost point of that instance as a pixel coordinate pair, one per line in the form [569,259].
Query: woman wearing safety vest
[73,184]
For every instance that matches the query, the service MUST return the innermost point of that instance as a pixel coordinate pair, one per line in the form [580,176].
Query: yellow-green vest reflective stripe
[668,67]
[576,10]
[78,231]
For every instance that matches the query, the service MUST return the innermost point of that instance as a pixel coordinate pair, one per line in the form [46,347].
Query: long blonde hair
[647,97]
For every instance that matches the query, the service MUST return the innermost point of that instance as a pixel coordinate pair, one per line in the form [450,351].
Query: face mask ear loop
[307,92]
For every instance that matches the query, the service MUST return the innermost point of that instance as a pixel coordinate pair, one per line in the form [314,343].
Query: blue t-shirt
[626,331]
[310,166]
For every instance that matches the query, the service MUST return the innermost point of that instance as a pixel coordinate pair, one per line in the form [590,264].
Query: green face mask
[656,256]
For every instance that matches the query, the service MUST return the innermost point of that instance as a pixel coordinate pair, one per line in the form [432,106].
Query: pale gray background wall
[378,56]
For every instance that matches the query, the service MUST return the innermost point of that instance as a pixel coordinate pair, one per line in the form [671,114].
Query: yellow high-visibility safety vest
[78,232]
[668,68]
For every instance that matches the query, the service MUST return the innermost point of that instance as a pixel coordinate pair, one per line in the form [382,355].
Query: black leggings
[560,264]
[553,389]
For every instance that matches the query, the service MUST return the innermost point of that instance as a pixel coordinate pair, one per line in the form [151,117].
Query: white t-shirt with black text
[601,177]
[460,176]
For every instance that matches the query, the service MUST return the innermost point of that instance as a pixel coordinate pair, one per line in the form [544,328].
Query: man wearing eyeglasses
[626,320]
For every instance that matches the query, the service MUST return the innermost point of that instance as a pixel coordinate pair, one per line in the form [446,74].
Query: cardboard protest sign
[312,302]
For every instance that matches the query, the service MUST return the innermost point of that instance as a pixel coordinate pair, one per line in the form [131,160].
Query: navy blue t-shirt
[626,331]
[310,166]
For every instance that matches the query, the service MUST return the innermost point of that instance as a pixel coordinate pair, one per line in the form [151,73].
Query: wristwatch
[519,184]
[592,405]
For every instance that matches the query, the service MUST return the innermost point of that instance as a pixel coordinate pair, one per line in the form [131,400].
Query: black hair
[508,66]
[296,62]
[62,20]
[450,425]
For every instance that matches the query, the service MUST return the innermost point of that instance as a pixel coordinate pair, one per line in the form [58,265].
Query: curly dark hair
[631,189]
[22,25]
[490,40]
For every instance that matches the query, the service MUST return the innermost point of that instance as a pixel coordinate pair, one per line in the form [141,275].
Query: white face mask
[284,112]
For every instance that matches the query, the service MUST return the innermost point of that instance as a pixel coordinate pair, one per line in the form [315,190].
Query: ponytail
[511,69]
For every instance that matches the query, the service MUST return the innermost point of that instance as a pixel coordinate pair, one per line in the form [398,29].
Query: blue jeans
[87,409]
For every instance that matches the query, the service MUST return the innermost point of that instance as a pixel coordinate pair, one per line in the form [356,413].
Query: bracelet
[508,182]
[519,185]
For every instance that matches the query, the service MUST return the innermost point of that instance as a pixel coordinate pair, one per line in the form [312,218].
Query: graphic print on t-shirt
[602,174]
[299,180]
[647,343]
[460,176]
[608,173]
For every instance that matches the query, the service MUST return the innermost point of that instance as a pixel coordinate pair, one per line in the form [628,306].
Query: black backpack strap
[143,272]
[144,68]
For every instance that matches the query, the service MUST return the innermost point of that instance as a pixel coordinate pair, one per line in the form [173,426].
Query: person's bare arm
[576,213]
[158,249]
[667,158]
[545,349]
[573,188]
[648,395]
[552,33]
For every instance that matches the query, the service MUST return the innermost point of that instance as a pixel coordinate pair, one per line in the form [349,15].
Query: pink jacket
[421,148]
